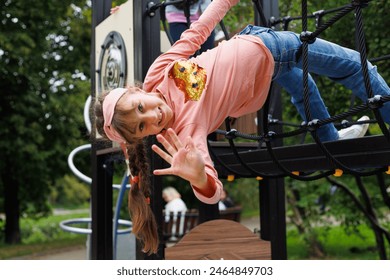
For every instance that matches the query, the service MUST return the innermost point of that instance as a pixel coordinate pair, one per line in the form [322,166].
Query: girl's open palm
[184,158]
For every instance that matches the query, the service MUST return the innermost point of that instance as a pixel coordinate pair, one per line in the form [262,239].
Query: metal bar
[273,227]
[146,38]
[101,188]
[271,191]
[208,212]
[366,152]
[101,204]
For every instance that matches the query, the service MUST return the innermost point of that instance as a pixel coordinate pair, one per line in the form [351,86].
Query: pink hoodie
[238,76]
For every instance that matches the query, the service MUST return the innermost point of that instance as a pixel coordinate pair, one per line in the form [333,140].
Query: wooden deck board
[220,239]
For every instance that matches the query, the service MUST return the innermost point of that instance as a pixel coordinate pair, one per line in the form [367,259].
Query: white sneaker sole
[355,131]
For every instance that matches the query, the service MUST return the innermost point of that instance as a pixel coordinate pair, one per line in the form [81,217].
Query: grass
[337,245]
[8,252]
[43,236]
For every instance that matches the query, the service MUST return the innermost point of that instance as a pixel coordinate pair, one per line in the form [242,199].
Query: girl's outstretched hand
[185,159]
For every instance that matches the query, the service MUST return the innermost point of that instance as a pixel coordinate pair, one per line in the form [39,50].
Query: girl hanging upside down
[183,100]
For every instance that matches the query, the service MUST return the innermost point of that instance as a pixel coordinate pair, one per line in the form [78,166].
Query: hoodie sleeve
[189,42]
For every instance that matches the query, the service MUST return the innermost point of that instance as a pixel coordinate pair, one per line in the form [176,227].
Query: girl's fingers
[166,171]
[170,149]
[172,144]
[162,154]
[175,139]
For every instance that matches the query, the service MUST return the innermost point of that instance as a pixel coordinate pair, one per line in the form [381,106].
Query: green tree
[44,70]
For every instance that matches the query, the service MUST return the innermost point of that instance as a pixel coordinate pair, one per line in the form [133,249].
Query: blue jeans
[325,58]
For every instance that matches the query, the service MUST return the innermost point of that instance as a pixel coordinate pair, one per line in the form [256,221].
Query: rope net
[373,103]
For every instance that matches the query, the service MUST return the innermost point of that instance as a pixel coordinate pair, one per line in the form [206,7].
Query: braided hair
[144,225]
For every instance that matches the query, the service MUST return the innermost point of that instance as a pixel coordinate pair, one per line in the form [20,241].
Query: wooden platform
[220,239]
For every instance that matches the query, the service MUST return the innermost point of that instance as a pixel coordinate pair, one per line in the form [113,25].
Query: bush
[244,192]
[69,192]
[35,231]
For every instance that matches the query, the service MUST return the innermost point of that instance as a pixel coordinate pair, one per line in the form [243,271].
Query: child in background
[178,23]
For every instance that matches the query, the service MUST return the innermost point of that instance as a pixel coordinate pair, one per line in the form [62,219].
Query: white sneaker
[354,131]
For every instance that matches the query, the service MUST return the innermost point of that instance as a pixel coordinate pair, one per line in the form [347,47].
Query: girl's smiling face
[149,113]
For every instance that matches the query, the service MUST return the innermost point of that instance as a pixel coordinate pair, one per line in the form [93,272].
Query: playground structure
[265,159]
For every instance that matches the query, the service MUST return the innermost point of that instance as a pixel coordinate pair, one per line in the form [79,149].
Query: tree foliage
[44,70]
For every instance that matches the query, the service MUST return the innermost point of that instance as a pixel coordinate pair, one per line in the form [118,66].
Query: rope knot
[269,136]
[345,124]
[232,134]
[271,120]
[312,125]
[307,36]
[375,102]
